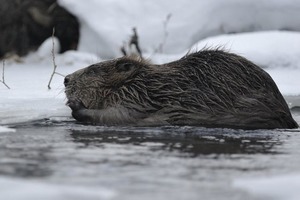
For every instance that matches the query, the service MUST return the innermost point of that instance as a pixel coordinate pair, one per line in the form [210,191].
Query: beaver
[209,88]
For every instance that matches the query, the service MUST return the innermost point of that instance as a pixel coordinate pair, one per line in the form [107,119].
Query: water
[93,162]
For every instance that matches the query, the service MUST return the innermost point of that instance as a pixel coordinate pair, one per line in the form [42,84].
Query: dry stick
[3,80]
[53,60]
[166,33]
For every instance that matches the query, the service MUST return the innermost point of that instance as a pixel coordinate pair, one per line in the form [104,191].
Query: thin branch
[166,32]
[53,60]
[135,42]
[59,74]
[160,48]
[123,49]
[3,76]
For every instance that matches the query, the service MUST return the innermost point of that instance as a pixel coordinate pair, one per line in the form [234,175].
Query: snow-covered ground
[192,25]
[29,97]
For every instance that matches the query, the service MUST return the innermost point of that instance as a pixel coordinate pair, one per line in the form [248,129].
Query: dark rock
[25,24]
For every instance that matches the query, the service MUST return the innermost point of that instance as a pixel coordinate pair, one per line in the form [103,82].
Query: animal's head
[97,85]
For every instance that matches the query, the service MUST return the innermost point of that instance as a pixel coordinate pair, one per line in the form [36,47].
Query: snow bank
[285,187]
[106,24]
[271,49]
[21,189]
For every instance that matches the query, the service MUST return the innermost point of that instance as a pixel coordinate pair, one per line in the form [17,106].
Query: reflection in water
[194,141]
[37,148]
[175,162]
[20,159]
[29,151]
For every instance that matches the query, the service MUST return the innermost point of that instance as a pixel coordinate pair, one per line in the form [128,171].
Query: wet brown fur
[210,88]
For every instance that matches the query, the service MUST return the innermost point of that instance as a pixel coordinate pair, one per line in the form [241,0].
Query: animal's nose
[67,80]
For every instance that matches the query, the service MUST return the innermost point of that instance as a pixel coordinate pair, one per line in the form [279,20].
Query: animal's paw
[75,105]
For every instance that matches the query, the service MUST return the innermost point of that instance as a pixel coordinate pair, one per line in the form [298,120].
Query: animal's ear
[124,66]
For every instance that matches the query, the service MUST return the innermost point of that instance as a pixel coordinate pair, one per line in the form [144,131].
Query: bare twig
[53,60]
[161,46]
[135,42]
[3,76]
[123,49]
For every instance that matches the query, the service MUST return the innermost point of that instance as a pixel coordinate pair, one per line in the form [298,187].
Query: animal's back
[221,89]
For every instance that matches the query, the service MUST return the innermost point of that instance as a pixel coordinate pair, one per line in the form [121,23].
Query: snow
[20,189]
[106,24]
[29,97]
[4,129]
[284,187]
[269,49]
[45,50]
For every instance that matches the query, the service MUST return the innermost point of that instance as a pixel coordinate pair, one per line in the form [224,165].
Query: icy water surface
[60,159]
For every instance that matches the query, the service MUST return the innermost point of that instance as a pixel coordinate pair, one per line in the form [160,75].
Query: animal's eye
[92,70]
[124,66]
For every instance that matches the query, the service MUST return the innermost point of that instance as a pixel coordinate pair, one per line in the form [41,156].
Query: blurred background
[168,27]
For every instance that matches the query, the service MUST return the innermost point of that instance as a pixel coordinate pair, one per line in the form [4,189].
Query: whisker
[61,91]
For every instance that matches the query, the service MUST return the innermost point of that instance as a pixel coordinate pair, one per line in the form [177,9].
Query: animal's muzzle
[67,80]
